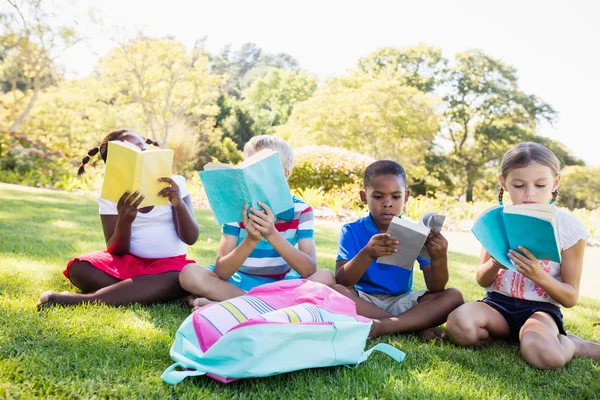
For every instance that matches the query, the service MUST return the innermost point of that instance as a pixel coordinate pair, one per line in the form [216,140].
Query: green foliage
[163,79]
[381,117]
[270,99]
[324,167]
[34,166]
[486,113]
[416,66]
[580,187]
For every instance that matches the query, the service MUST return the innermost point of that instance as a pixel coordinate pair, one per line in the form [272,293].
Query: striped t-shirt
[294,224]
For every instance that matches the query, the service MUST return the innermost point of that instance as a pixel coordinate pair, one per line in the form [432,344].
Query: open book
[532,226]
[412,237]
[130,168]
[259,178]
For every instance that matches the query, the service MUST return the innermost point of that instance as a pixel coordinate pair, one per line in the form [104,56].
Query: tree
[29,44]
[163,79]
[419,66]
[485,113]
[580,187]
[270,99]
[376,117]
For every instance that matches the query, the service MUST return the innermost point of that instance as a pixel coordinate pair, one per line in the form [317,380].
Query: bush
[326,168]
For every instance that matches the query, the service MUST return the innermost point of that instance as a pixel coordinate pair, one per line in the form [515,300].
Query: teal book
[259,178]
[532,226]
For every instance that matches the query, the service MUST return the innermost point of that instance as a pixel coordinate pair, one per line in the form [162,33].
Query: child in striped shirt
[264,248]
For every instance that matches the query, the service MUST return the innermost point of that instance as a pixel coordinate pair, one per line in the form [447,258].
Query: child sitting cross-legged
[264,248]
[383,292]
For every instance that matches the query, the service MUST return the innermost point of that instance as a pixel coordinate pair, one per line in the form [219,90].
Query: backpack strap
[172,377]
[384,348]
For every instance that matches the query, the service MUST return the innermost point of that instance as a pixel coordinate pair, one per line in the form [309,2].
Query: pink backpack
[274,328]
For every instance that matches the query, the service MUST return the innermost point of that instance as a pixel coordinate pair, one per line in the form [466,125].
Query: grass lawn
[103,352]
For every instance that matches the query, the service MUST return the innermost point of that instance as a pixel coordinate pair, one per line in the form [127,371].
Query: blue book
[259,178]
[532,226]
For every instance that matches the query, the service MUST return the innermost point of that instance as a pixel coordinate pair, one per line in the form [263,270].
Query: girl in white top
[146,247]
[524,305]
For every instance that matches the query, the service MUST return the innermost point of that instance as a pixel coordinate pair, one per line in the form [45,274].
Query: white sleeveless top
[153,234]
[514,284]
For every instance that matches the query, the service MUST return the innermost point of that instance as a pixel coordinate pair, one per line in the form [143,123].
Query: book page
[433,221]
[155,164]
[543,211]
[257,157]
[411,236]
[119,174]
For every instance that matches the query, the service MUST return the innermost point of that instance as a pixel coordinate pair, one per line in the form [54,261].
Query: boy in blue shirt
[383,292]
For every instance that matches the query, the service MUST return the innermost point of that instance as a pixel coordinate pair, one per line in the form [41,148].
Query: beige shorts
[395,305]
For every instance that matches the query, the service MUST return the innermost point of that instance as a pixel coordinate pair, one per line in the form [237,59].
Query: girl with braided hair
[525,305]
[145,247]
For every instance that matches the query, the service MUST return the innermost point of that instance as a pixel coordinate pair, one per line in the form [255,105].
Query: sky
[554,45]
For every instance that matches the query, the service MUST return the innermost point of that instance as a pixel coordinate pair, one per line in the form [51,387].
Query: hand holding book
[381,245]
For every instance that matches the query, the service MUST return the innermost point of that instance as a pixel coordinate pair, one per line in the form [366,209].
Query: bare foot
[431,334]
[376,329]
[185,300]
[584,348]
[200,302]
[46,299]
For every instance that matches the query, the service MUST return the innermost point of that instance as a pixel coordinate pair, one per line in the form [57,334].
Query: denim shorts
[517,311]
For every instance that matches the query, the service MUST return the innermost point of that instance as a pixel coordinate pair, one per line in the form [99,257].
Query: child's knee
[541,354]
[192,275]
[325,277]
[462,327]
[453,297]
[341,289]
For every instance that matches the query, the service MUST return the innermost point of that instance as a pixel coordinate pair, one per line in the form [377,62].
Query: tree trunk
[19,121]
[469,192]
[163,144]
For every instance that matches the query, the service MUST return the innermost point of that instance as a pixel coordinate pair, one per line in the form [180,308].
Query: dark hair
[525,153]
[384,167]
[102,148]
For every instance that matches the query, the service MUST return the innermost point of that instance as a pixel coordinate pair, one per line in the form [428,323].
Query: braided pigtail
[554,196]
[500,196]
[150,141]
[91,153]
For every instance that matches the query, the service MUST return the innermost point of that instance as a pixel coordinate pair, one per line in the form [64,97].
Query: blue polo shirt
[378,278]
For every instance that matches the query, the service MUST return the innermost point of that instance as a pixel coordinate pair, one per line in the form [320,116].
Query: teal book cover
[498,231]
[259,178]
[490,232]
[535,234]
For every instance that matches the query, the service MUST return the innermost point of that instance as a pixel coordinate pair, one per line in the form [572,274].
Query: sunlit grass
[106,352]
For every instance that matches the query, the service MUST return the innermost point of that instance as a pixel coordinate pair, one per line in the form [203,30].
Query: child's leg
[323,276]
[141,289]
[542,346]
[584,348]
[363,307]
[476,324]
[201,281]
[432,310]
[88,278]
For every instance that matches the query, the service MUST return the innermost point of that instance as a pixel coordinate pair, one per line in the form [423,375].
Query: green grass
[103,352]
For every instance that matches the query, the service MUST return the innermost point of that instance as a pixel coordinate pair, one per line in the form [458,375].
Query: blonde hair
[257,143]
[525,153]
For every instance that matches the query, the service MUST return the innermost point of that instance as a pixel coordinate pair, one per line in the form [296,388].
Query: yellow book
[130,168]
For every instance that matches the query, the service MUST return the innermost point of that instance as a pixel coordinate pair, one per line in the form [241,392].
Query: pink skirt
[130,266]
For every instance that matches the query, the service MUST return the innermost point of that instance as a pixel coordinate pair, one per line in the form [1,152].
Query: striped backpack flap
[273,329]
